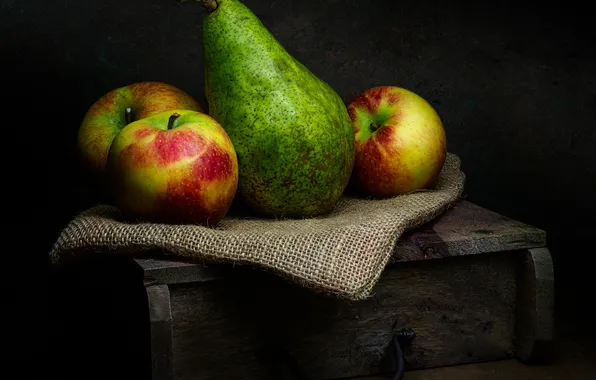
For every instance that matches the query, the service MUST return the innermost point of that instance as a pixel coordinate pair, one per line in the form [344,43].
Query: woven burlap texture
[342,253]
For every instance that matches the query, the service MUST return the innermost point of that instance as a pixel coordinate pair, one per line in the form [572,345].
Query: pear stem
[172,119]
[128,115]
[373,127]
[210,5]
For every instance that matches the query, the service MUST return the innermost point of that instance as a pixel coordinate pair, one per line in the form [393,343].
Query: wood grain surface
[535,306]
[462,310]
[467,229]
[160,315]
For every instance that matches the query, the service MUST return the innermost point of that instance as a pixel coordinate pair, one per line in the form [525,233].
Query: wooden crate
[473,285]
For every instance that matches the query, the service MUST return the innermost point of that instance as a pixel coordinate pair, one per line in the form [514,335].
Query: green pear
[291,130]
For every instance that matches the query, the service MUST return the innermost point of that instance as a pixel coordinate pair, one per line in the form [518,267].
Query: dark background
[514,83]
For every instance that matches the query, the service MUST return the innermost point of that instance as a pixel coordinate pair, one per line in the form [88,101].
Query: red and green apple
[119,107]
[176,166]
[400,142]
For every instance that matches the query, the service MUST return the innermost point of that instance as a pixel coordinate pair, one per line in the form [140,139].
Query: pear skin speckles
[291,130]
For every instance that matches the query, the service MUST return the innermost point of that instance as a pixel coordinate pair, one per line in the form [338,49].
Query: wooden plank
[466,229]
[462,310]
[160,315]
[535,313]
[177,271]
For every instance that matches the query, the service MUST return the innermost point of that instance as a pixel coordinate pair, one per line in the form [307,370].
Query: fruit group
[177,166]
[400,142]
[119,107]
[290,129]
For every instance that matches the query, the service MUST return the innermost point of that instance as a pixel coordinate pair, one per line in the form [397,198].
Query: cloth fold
[342,253]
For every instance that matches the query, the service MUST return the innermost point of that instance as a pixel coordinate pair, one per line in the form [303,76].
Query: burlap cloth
[341,254]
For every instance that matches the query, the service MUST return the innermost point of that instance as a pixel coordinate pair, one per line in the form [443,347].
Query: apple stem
[172,119]
[373,127]
[128,115]
[210,5]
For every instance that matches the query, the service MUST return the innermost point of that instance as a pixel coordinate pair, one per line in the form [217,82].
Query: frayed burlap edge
[343,253]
